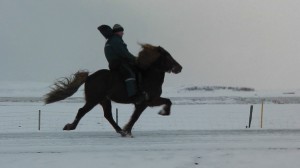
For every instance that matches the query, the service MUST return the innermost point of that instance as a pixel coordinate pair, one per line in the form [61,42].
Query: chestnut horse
[105,86]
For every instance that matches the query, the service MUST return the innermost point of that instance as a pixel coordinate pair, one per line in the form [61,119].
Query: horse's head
[158,57]
[167,62]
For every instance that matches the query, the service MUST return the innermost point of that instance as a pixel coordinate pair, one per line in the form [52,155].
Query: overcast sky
[252,43]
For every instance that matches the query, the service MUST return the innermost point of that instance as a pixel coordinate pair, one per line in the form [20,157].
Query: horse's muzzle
[177,69]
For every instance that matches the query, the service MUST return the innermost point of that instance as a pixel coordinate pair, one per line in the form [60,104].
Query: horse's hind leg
[106,105]
[81,112]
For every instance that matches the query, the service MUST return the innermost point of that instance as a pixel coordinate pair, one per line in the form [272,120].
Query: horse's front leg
[135,116]
[166,110]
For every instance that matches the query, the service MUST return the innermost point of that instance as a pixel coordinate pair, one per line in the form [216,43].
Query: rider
[119,58]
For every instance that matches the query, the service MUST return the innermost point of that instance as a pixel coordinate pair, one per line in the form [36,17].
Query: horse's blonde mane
[148,55]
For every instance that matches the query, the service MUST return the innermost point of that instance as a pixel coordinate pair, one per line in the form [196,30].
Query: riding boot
[138,97]
[131,87]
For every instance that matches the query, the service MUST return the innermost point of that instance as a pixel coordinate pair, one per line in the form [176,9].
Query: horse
[104,86]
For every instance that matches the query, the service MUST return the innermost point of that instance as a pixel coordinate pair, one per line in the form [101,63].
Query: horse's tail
[66,87]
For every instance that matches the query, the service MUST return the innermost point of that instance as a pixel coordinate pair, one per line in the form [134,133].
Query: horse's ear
[160,49]
[141,44]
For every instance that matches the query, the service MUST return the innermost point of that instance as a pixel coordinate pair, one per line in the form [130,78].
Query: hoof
[123,134]
[127,134]
[68,127]
[164,112]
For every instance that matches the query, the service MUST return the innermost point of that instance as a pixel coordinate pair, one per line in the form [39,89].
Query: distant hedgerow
[213,88]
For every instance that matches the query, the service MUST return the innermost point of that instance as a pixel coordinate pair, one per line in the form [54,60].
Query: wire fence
[24,117]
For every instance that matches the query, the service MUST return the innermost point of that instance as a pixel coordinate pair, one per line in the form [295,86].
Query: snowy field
[205,129]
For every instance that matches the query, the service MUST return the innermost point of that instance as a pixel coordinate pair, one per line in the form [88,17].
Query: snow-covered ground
[165,149]
[205,129]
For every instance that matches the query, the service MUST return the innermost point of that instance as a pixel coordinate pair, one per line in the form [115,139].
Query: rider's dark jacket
[117,54]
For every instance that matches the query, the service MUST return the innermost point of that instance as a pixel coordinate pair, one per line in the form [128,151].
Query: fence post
[117,116]
[262,114]
[250,117]
[39,120]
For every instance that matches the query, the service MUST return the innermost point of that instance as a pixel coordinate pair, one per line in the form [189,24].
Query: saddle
[138,74]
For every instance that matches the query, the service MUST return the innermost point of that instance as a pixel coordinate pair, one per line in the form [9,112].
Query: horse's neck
[155,76]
